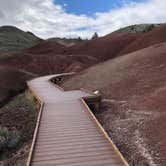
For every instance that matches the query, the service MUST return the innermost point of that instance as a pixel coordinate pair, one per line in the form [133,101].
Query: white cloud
[46,19]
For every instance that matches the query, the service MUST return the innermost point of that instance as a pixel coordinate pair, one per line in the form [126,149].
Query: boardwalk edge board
[36,127]
[83,101]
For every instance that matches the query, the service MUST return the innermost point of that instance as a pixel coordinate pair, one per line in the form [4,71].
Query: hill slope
[47,47]
[155,36]
[134,90]
[13,82]
[66,42]
[138,28]
[13,39]
[118,44]
[103,48]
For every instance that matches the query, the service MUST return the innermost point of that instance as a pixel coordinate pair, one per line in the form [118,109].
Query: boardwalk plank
[68,134]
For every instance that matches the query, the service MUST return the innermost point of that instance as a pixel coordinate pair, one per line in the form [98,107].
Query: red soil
[42,64]
[47,47]
[113,45]
[50,57]
[135,86]
[12,82]
[158,35]
[104,48]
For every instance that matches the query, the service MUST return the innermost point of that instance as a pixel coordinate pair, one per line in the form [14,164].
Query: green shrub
[8,139]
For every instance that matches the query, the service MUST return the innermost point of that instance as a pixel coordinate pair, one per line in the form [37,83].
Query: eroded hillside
[14,39]
[133,108]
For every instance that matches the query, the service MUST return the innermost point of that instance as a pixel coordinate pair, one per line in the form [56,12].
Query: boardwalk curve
[67,133]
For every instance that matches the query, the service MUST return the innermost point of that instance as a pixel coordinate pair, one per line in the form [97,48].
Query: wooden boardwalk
[67,134]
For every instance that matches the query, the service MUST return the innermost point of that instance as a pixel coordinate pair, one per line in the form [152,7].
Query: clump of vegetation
[138,28]
[8,139]
[149,28]
[95,36]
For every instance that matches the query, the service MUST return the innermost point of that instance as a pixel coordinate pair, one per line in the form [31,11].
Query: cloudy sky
[73,18]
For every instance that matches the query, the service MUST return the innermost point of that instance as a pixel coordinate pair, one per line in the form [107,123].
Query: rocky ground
[128,130]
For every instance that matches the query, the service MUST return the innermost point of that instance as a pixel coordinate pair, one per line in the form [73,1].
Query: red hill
[47,47]
[155,36]
[133,88]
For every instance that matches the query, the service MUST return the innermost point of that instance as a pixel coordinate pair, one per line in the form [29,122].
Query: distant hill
[137,28]
[66,42]
[157,35]
[13,39]
[47,47]
[50,57]
[103,48]
[116,44]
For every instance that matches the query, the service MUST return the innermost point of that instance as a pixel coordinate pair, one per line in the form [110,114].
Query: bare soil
[133,87]
[12,82]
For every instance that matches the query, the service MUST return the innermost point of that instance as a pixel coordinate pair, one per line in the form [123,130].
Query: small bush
[8,139]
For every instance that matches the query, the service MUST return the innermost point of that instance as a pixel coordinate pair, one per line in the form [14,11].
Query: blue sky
[79,18]
[90,7]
